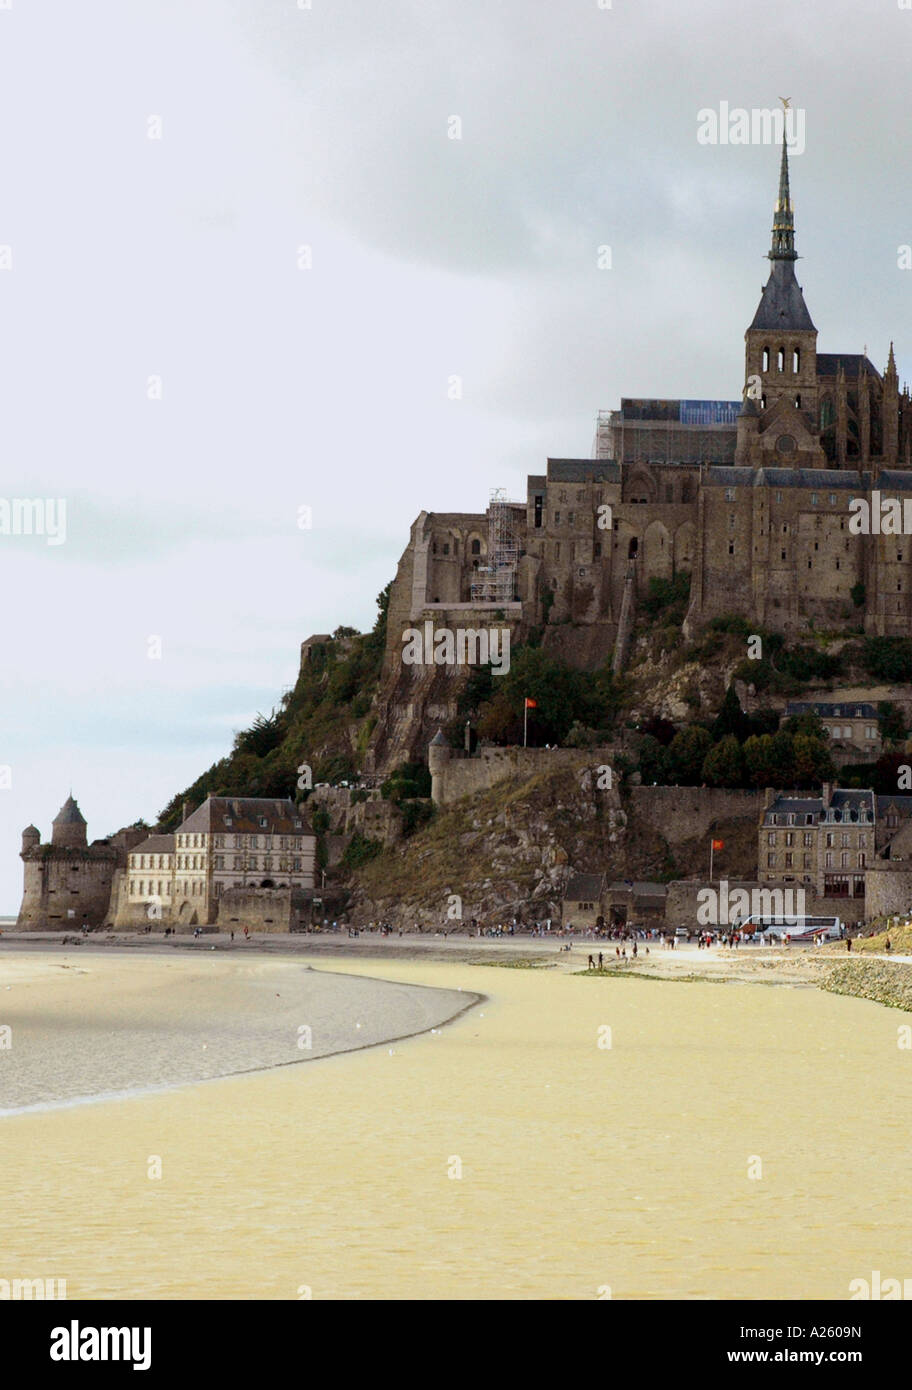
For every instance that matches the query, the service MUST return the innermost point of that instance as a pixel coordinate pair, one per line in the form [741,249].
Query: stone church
[750,498]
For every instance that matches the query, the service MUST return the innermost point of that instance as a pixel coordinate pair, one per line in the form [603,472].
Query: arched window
[796,361]
[476,547]
[780,360]
[766,360]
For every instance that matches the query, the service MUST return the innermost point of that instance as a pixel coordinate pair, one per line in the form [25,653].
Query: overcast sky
[329,128]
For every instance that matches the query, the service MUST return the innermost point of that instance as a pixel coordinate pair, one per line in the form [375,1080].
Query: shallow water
[582,1166]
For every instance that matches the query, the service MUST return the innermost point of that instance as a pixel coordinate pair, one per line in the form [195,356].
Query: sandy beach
[89,1023]
[509,1155]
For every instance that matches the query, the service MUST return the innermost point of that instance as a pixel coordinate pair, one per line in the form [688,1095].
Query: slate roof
[583,470]
[69,814]
[155,844]
[245,813]
[852,801]
[840,709]
[902,803]
[796,805]
[841,800]
[812,479]
[895,480]
[854,363]
[584,888]
[782,302]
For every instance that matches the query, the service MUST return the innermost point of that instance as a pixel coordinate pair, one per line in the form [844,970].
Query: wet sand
[87,1023]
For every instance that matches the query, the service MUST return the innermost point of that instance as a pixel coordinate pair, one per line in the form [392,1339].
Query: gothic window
[796,361]
[780,360]
[476,547]
[766,359]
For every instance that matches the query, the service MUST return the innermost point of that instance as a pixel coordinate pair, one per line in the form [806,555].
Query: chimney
[827,793]
[183,811]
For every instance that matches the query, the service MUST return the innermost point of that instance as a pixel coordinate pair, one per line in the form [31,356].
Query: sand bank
[88,1024]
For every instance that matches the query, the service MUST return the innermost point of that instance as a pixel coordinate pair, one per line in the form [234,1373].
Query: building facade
[850,725]
[824,842]
[227,843]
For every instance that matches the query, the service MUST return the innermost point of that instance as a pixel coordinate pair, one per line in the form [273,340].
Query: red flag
[531,704]
[718,844]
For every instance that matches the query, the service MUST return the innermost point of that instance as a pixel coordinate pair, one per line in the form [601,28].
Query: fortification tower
[31,836]
[69,827]
[438,757]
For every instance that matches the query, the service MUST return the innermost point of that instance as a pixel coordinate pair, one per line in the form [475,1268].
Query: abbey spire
[782,303]
[779,423]
[783,247]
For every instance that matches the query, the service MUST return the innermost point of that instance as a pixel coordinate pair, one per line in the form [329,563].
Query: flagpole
[711,844]
[525,720]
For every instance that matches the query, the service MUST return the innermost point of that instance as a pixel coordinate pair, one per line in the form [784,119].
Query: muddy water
[507,1156]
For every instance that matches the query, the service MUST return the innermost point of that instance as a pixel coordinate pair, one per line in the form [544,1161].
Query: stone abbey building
[750,497]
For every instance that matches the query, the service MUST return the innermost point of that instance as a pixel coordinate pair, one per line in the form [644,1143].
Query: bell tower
[781,352]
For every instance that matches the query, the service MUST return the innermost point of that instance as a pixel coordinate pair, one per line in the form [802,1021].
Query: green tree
[891,721]
[723,765]
[653,763]
[687,751]
[731,718]
[812,762]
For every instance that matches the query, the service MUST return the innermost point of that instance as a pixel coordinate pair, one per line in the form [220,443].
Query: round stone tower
[31,836]
[69,827]
[438,757]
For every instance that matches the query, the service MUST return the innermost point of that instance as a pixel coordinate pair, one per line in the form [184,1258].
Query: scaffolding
[495,582]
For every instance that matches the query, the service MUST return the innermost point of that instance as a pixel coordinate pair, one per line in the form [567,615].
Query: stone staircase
[626,619]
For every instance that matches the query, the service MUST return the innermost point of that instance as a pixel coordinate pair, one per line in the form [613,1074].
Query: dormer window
[263,822]
[297,825]
[228,820]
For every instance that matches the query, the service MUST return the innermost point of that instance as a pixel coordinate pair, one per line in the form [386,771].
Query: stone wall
[888,888]
[263,910]
[457,776]
[685,813]
[60,882]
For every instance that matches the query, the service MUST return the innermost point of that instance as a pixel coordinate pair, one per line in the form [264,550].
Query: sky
[243,257]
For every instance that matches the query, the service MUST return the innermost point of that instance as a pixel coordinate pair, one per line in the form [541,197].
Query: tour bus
[797,927]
